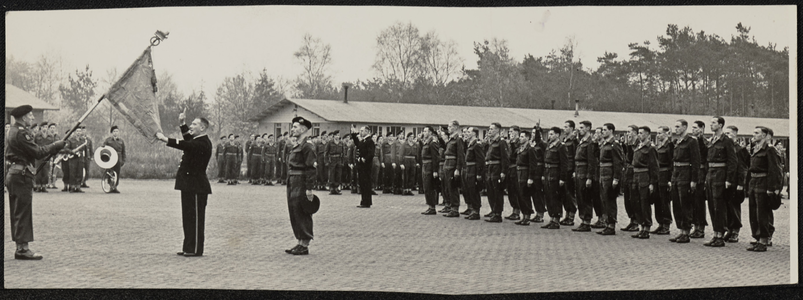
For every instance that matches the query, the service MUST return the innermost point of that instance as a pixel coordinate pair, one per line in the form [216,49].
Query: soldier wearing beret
[333,159]
[300,183]
[765,179]
[42,139]
[20,153]
[220,156]
[86,160]
[497,161]
[116,143]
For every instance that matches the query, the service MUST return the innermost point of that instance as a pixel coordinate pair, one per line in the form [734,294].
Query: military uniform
[269,157]
[512,182]
[408,155]
[300,178]
[41,179]
[220,155]
[698,219]
[722,167]
[76,163]
[321,168]
[475,166]
[334,155]
[526,165]
[430,159]
[663,213]
[685,170]
[537,189]
[645,174]
[497,161]
[569,199]
[734,197]
[281,162]
[586,163]
[249,151]
[388,172]
[255,168]
[765,176]
[21,153]
[557,169]
[119,146]
[232,157]
[611,166]
[455,159]
[631,202]
[89,152]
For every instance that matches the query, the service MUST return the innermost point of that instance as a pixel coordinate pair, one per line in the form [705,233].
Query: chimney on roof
[346,86]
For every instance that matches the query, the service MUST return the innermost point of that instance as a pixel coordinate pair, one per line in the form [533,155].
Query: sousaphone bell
[106,157]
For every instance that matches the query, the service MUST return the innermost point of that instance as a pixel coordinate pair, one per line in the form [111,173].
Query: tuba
[106,157]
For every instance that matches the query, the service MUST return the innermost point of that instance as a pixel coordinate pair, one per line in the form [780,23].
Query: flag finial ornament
[158,37]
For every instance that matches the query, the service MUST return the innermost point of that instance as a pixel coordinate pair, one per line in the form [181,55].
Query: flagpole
[69,133]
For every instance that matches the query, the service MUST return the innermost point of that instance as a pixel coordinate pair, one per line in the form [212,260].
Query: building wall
[37,113]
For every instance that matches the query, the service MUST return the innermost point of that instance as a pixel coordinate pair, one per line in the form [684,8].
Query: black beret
[303,121]
[82,126]
[43,124]
[34,125]
[310,207]
[231,134]
[113,128]
[322,133]
[236,136]
[52,124]
[21,111]
[336,132]
[222,137]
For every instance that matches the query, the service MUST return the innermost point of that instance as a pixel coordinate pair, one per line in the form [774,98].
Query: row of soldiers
[581,172]
[74,161]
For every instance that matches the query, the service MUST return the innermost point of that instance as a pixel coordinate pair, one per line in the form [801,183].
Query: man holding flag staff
[191,180]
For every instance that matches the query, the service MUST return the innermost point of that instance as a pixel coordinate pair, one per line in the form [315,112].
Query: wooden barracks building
[384,117]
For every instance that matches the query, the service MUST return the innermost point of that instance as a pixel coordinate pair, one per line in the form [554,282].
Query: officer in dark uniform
[685,176]
[455,159]
[526,165]
[20,153]
[497,161]
[586,163]
[698,219]
[766,180]
[722,171]
[430,158]
[631,202]
[663,213]
[556,174]
[301,180]
[611,166]
[734,197]
[364,151]
[220,155]
[513,192]
[645,181]
[537,189]
[568,198]
[472,174]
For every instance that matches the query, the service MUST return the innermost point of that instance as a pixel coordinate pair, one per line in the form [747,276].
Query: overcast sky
[207,44]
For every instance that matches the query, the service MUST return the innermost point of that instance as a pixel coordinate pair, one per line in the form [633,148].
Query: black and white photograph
[400,149]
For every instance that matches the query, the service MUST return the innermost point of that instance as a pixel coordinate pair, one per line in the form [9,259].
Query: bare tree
[315,57]
[440,60]
[398,56]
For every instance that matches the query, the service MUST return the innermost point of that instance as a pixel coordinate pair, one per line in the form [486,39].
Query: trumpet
[67,156]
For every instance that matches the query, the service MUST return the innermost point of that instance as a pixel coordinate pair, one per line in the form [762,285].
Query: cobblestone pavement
[129,240]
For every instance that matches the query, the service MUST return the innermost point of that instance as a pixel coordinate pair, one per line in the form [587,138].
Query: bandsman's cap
[304,122]
[21,111]
[113,128]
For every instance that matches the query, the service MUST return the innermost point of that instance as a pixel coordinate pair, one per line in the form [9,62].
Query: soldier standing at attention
[255,159]
[232,168]
[53,133]
[513,192]
[240,156]
[248,153]
[320,164]
[569,200]
[645,180]
[685,175]
[537,189]
[301,180]
[76,160]
[526,165]
[430,157]
[663,213]
[472,174]
[599,208]
[555,176]
[586,163]
[455,159]
[387,163]
[41,139]
[334,162]
[220,155]
[698,220]
[611,165]
[20,154]
[89,153]
[497,160]
[409,157]
[734,197]
[631,202]
[766,180]
[269,156]
[722,171]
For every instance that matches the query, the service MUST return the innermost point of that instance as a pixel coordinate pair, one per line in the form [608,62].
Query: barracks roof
[429,114]
[17,97]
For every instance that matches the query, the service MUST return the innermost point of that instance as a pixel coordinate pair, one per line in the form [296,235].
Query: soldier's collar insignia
[28,137]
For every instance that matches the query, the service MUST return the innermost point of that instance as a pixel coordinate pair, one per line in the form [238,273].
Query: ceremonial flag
[134,96]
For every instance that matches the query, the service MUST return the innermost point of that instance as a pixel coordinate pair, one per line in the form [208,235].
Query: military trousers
[761,215]
[734,199]
[471,193]
[715,190]
[495,197]
[552,191]
[300,221]
[642,198]
[524,193]
[513,192]
[20,203]
[428,184]
[584,194]
[608,193]
[193,217]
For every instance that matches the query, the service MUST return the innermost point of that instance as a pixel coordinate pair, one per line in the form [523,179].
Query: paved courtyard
[129,240]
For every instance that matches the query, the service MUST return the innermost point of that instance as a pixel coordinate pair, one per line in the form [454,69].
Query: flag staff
[155,41]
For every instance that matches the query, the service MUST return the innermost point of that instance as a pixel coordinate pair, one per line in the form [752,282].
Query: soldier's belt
[271,155]
[663,169]
[539,164]
[521,168]
[256,154]
[231,153]
[427,161]
[552,166]
[471,163]
[295,172]
[492,162]
[640,170]
[409,156]
[451,157]
[758,175]
[606,164]
[682,164]
[702,166]
[580,163]
[512,166]
[334,155]
[717,165]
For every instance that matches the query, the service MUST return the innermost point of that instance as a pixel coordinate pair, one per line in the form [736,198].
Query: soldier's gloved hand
[402,167]
[693,186]
[739,188]
[561,182]
[615,182]
[727,184]
[588,183]
[383,165]
[393,165]
[456,172]
[309,195]
[529,182]
[435,174]
[652,188]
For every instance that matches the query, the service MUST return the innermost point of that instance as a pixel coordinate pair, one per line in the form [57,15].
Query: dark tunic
[301,178]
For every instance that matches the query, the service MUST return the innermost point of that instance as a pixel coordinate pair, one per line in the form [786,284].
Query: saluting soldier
[526,165]
[569,200]
[537,189]
[555,176]
[472,174]
[663,213]
[766,180]
[513,191]
[685,176]
[734,197]
[586,163]
[698,219]
[430,158]
[364,151]
[611,166]
[20,153]
[722,171]
[334,162]
[220,155]
[631,202]
[645,180]
[497,160]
